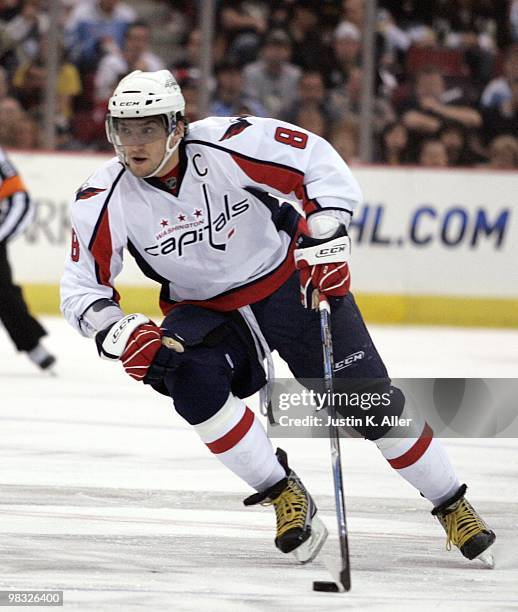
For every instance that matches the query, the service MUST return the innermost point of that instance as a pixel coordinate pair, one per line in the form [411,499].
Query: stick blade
[341,575]
[345,579]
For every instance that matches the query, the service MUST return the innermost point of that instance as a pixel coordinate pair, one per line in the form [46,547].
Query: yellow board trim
[376,308]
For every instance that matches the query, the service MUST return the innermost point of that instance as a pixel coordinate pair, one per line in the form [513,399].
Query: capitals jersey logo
[236,128]
[207,228]
[87,192]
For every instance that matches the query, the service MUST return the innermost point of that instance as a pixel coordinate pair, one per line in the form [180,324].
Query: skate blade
[487,559]
[309,549]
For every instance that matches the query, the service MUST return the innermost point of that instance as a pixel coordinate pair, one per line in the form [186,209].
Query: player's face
[144,142]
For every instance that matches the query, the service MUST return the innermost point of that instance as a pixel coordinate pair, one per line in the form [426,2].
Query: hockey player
[203,210]
[16,212]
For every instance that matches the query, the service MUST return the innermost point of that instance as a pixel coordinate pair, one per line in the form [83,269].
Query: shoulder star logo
[164,223]
[197,213]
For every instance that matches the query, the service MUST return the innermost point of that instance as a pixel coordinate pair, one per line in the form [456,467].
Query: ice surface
[107,495]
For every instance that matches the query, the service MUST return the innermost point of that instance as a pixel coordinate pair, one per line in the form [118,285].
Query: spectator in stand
[135,55]
[458,148]
[394,144]
[499,89]
[17,128]
[431,106]
[311,93]
[345,138]
[27,27]
[96,27]
[190,91]
[309,49]
[469,26]
[188,64]
[513,19]
[354,12]
[346,53]
[433,154]
[395,37]
[273,79]
[311,119]
[346,100]
[242,23]
[4,84]
[21,24]
[228,99]
[168,23]
[30,79]
[10,111]
[503,119]
[503,153]
[9,108]
[9,9]
[25,134]
[29,84]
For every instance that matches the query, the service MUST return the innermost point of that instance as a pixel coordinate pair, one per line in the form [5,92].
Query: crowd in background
[446,90]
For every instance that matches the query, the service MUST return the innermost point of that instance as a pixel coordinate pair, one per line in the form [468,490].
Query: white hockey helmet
[146,94]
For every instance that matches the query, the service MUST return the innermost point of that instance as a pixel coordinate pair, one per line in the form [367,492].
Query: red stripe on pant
[415,452]
[232,437]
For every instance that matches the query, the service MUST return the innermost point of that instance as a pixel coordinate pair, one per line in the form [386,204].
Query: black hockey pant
[21,326]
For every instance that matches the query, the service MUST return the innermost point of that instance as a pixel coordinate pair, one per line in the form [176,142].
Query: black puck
[328,587]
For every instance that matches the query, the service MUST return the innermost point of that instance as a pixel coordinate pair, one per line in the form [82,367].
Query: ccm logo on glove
[340,248]
[323,266]
[134,340]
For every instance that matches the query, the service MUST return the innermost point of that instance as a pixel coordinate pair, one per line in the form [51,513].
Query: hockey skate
[299,529]
[41,357]
[464,528]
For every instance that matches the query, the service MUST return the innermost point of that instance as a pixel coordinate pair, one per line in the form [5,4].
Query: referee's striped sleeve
[18,215]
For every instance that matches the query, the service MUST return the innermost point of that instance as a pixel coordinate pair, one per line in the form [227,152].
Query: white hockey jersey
[223,234]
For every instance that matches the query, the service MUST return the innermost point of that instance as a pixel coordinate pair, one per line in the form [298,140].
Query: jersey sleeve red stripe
[282,178]
[101,249]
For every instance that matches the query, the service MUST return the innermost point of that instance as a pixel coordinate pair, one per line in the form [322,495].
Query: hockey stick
[327,349]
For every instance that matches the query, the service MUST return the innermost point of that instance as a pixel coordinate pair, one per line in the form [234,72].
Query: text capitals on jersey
[210,226]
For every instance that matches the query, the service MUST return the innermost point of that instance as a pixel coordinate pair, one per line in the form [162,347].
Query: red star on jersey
[198,213]
[181,218]
[164,223]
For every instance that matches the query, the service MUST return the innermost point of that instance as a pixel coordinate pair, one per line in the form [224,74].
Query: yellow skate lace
[291,508]
[462,524]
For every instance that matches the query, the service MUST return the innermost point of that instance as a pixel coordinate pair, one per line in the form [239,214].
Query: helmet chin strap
[167,156]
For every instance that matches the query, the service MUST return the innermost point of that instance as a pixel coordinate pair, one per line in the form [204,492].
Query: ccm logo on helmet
[129,103]
[340,248]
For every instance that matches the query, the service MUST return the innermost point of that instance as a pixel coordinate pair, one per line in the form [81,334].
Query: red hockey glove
[134,340]
[323,267]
